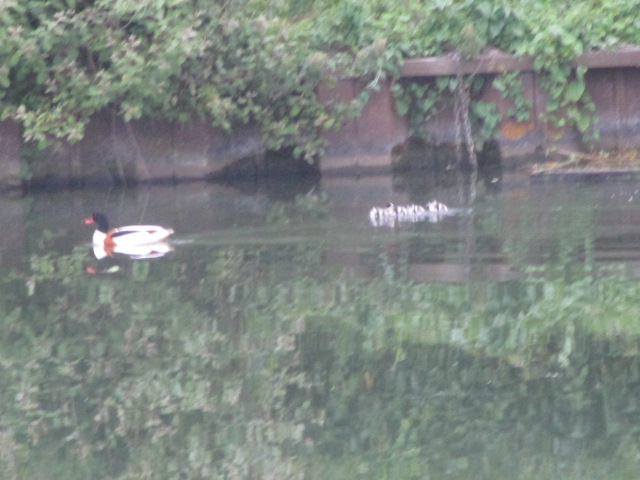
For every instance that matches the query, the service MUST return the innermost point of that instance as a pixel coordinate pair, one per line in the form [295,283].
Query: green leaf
[583,122]
[402,105]
[575,90]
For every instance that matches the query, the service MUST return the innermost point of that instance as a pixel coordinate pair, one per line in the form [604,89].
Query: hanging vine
[461,119]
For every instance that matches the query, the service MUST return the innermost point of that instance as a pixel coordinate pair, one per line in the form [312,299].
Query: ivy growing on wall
[555,33]
[178,60]
[260,61]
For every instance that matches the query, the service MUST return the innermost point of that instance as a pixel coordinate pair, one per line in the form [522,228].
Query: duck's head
[100,221]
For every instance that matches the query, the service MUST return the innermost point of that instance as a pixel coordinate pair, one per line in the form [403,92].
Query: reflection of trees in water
[444,402]
[253,360]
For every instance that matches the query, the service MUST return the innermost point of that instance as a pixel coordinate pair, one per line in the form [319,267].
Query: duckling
[437,207]
[380,213]
[416,210]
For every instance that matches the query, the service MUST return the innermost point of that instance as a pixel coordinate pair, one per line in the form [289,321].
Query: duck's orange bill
[88,221]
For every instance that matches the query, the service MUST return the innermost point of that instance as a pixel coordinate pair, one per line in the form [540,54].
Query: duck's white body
[132,235]
[133,240]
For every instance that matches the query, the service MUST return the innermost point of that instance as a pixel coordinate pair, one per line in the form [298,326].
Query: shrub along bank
[259,62]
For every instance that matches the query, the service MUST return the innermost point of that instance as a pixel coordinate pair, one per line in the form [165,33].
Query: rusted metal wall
[613,81]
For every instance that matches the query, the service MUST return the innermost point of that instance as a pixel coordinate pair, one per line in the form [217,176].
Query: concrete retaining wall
[144,150]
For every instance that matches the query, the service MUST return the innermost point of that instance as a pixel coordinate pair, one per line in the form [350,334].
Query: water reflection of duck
[135,252]
[137,241]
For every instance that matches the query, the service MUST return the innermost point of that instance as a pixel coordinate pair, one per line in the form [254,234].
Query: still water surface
[286,337]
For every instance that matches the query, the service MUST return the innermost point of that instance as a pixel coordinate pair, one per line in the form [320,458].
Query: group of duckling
[391,214]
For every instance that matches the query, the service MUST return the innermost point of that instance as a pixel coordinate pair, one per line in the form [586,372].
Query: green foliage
[173,60]
[556,33]
[259,61]
[422,100]
[509,84]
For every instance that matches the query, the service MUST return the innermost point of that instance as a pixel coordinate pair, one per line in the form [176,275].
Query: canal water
[282,335]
